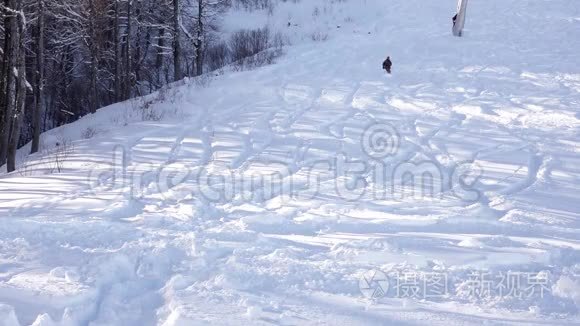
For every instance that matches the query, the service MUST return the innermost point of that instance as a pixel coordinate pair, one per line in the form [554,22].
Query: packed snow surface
[320,190]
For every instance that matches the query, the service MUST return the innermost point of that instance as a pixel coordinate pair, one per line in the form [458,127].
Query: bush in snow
[254,48]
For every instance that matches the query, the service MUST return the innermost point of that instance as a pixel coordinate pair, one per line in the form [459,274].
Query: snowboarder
[387,65]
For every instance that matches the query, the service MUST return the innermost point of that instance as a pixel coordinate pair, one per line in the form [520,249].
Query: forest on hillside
[60,60]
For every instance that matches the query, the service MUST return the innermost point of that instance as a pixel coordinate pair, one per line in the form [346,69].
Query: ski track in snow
[76,254]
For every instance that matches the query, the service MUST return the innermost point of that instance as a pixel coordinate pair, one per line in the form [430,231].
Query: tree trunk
[200,44]
[20,98]
[135,62]
[93,53]
[11,32]
[39,91]
[159,58]
[128,68]
[176,41]
[4,67]
[4,74]
[118,96]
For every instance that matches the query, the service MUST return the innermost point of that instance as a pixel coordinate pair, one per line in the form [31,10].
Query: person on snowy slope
[387,64]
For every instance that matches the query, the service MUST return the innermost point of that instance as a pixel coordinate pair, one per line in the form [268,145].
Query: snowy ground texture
[152,212]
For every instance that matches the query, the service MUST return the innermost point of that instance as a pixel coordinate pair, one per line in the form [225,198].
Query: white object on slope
[460,19]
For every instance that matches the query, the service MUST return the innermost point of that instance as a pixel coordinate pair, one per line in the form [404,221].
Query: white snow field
[319,190]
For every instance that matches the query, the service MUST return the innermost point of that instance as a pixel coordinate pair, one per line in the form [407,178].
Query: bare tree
[39,87]
[206,22]
[84,54]
[12,51]
[18,83]
[117,49]
[177,72]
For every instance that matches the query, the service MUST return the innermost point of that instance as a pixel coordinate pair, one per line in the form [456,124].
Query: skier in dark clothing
[387,64]
[454,19]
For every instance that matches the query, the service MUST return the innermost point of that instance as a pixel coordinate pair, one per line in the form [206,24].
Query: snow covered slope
[283,195]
